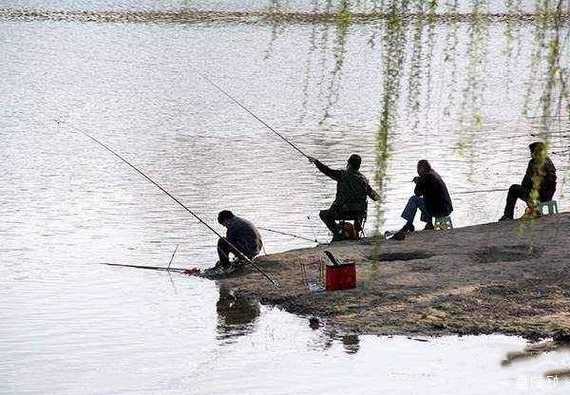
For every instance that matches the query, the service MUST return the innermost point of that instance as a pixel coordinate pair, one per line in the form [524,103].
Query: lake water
[467,94]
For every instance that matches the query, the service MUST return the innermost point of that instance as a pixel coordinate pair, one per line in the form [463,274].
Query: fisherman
[430,197]
[538,184]
[241,235]
[351,192]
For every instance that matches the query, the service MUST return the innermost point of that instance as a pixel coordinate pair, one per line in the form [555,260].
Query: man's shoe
[229,269]
[408,228]
[429,226]
[505,218]
[338,237]
[399,236]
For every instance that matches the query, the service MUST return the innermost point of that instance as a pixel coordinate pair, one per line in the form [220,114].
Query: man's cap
[423,163]
[224,215]
[354,161]
[537,145]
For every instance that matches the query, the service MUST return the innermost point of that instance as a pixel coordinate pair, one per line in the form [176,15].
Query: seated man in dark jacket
[242,235]
[352,189]
[538,184]
[430,197]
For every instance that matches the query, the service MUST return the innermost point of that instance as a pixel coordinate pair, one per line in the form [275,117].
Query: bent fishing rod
[251,113]
[239,253]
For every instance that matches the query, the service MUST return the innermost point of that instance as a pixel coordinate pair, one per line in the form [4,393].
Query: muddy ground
[509,278]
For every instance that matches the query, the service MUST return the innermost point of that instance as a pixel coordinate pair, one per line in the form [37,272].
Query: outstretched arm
[372,194]
[327,171]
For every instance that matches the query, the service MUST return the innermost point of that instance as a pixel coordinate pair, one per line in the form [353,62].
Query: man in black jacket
[538,184]
[242,235]
[430,197]
[352,189]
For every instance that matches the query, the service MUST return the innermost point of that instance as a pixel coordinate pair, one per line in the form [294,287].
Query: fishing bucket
[338,274]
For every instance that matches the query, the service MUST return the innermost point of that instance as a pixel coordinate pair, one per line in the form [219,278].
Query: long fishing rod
[287,234]
[251,113]
[241,255]
[160,268]
[481,191]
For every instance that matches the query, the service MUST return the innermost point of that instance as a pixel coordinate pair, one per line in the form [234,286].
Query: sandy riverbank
[509,278]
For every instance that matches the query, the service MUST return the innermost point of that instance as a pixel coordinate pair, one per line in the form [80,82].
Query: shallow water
[465,95]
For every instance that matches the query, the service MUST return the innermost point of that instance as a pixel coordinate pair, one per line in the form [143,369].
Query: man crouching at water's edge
[241,235]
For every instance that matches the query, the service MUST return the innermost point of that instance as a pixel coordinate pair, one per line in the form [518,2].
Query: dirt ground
[509,277]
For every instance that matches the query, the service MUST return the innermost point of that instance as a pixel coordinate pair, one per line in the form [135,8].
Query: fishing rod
[481,191]
[241,255]
[160,268]
[558,132]
[287,234]
[252,114]
[172,258]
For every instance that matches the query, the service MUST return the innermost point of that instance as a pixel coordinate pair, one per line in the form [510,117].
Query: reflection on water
[236,315]
[537,350]
[450,82]
[327,338]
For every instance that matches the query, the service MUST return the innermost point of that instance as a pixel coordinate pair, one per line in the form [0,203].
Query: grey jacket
[244,236]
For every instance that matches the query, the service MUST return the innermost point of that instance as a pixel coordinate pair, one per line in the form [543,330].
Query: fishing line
[481,191]
[287,234]
[241,255]
[312,227]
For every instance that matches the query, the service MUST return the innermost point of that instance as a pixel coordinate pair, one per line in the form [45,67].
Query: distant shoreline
[191,16]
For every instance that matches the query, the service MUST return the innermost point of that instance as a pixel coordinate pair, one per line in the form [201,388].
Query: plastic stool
[443,223]
[551,205]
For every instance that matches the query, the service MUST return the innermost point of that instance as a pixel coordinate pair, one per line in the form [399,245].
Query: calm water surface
[467,95]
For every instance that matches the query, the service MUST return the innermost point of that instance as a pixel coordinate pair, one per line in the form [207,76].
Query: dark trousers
[224,250]
[331,215]
[519,192]
[515,192]
[416,203]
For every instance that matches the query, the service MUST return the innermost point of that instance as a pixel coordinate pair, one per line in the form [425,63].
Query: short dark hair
[224,215]
[424,164]
[536,146]
[354,161]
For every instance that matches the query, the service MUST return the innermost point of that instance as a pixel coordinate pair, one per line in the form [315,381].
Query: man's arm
[420,185]
[327,171]
[372,194]
[527,180]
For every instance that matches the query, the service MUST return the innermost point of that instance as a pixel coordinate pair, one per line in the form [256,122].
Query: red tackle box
[340,275]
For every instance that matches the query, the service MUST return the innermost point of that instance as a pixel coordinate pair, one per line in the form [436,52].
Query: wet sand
[507,278]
